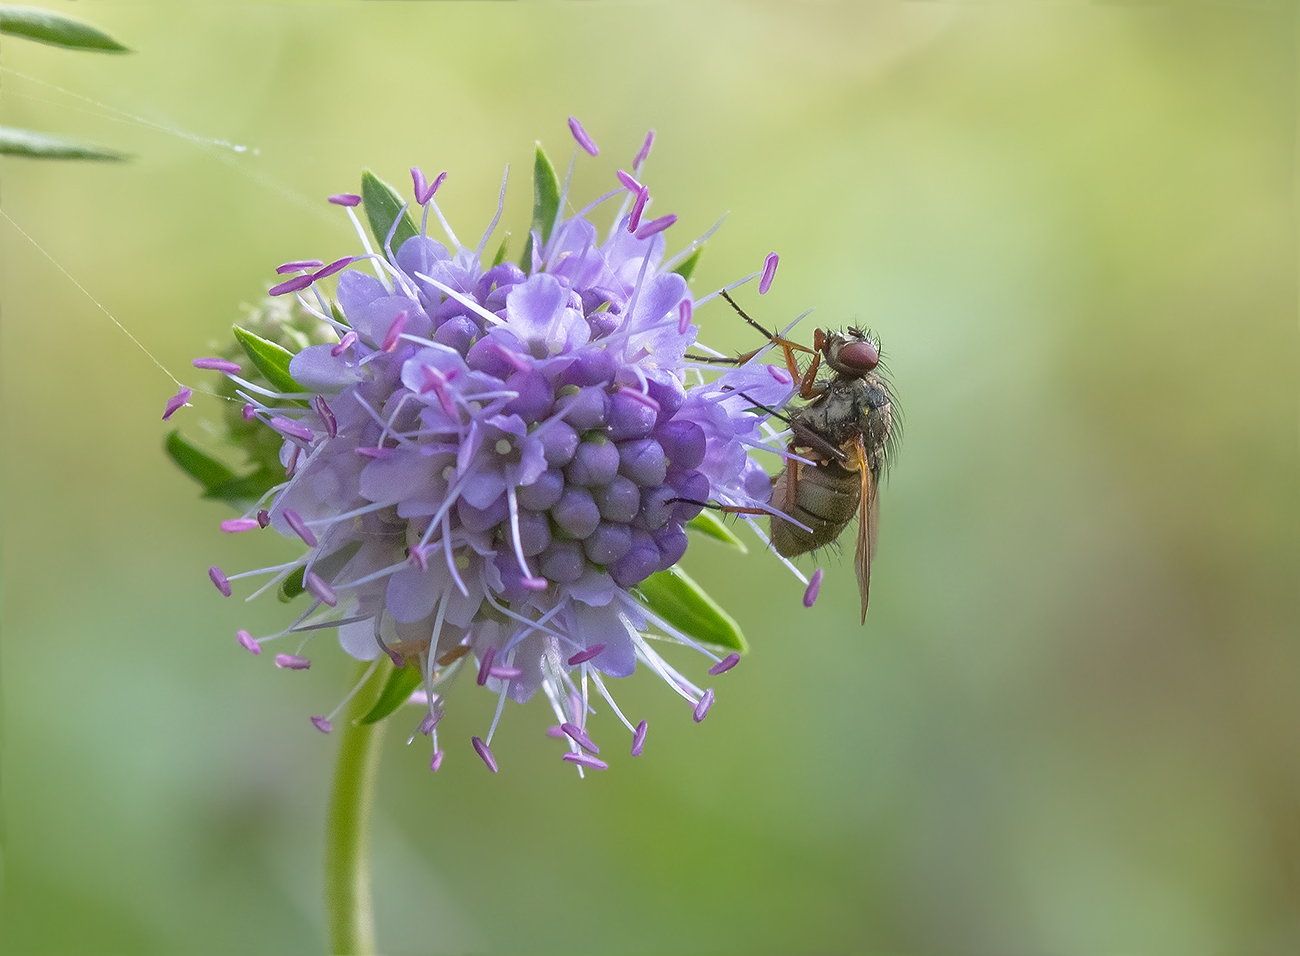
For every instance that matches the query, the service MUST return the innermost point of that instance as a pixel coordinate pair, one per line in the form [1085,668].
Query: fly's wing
[868,523]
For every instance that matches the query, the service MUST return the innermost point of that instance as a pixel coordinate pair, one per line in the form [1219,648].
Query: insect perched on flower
[839,444]
[497,463]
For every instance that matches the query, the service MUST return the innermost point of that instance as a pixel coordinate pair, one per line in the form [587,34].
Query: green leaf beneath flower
[397,690]
[46,26]
[271,360]
[218,481]
[383,203]
[336,310]
[686,268]
[197,463]
[710,525]
[293,585]
[546,203]
[327,567]
[502,250]
[676,598]
[26,142]
[243,490]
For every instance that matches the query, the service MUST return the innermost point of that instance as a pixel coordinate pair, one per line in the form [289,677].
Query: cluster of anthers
[489,460]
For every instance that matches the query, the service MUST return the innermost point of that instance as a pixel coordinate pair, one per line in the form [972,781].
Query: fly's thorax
[833,415]
[875,417]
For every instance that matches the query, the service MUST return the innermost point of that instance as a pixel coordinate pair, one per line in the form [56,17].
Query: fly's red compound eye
[859,357]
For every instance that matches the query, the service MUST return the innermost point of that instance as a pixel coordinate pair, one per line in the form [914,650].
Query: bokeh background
[1070,724]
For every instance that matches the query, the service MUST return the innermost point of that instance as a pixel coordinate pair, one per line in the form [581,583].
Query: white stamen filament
[685,253]
[564,199]
[445,226]
[381,573]
[370,251]
[767,543]
[513,501]
[463,299]
[501,702]
[600,686]
[492,226]
[353,692]
[449,554]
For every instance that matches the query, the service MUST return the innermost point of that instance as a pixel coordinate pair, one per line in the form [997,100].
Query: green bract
[383,204]
[272,360]
[46,26]
[674,596]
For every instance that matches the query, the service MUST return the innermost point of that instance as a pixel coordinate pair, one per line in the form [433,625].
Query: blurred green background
[1070,724]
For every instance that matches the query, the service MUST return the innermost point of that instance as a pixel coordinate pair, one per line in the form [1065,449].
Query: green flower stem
[349,910]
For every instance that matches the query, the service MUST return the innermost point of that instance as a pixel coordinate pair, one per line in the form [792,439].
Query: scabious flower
[485,460]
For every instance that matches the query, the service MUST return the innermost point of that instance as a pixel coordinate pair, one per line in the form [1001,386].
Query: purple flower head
[493,459]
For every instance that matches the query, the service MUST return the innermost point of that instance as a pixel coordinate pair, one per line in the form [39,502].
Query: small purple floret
[644,152]
[638,738]
[248,412]
[485,665]
[246,641]
[702,708]
[217,365]
[334,267]
[232,525]
[177,401]
[292,662]
[345,199]
[485,752]
[219,579]
[583,656]
[814,588]
[581,136]
[292,285]
[724,665]
[294,521]
[298,265]
[656,226]
[585,760]
[579,737]
[316,584]
[322,724]
[436,762]
[769,272]
[638,207]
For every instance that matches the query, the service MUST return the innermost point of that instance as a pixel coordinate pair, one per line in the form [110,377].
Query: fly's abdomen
[824,498]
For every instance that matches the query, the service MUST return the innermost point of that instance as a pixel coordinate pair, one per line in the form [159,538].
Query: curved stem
[348,907]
